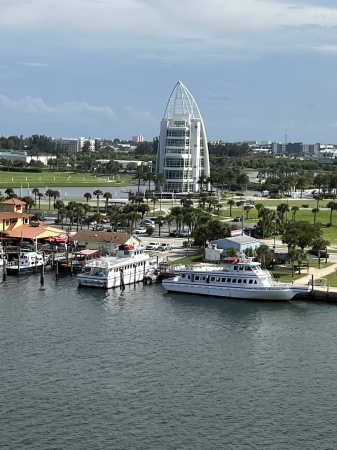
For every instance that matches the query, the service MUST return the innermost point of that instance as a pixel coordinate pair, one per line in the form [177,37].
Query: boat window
[235,267]
[250,281]
[229,280]
[218,279]
[234,280]
[212,278]
[248,268]
[196,277]
[223,280]
[240,267]
[244,281]
[239,280]
[255,282]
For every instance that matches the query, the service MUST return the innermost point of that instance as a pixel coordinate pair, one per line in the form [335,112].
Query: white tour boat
[28,262]
[130,265]
[239,278]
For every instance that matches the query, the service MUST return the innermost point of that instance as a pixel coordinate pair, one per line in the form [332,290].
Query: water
[142,369]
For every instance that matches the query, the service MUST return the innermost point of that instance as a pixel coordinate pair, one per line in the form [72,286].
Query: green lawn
[52,180]
[332,279]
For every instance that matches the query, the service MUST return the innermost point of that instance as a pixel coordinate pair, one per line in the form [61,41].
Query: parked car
[140,230]
[184,233]
[238,219]
[174,233]
[152,246]
[164,246]
[98,228]
[147,222]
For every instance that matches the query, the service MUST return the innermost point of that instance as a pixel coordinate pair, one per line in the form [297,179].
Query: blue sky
[106,68]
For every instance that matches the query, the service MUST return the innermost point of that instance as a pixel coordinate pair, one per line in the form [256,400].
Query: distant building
[71,145]
[22,156]
[182,151]
[137,138]
[295,148]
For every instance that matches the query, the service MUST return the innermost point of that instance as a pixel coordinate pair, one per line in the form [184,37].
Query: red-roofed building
[16,225]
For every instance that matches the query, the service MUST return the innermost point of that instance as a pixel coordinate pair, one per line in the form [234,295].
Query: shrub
[149,230]
[275,196]
[305,205]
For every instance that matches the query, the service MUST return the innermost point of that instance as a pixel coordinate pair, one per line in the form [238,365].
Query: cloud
[58,111]
[311,105]
[32,64]
[174,30]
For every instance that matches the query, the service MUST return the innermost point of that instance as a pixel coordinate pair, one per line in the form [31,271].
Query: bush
[149,230]
[305,205]
[275,196]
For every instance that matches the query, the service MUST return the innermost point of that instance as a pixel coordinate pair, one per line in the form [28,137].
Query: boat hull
[272,293]
[111,281]
[14,270]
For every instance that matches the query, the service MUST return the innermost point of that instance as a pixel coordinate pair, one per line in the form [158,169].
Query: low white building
[216,251]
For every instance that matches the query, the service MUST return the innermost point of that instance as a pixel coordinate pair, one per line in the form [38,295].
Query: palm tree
[79,212]
[138,176]
[315,211]
[262,252]
[56,195]
[231,203]
[107,196]
[49,193]
[9,192]
[143,208]
[154,201]
[318,198]
[40,195]
[98,193]
[318,245]
[59,204]
[35,191]
[201,181]
[333,207]
[29,202]
[87,196]
[284,209]
[294,210]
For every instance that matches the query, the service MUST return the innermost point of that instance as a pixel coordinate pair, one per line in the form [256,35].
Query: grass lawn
[60,179]
[332,279]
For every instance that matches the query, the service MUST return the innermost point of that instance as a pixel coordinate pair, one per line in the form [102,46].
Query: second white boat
[239,278]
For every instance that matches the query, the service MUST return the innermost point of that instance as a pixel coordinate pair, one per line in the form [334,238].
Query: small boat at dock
[28,261]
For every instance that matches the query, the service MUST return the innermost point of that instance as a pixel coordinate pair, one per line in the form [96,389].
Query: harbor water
[93,369]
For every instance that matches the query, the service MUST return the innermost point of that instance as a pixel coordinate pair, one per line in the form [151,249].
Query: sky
[258,69]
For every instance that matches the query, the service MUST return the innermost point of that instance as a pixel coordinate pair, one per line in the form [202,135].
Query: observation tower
[182,157]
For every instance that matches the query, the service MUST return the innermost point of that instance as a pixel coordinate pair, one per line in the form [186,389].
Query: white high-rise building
[182,151]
